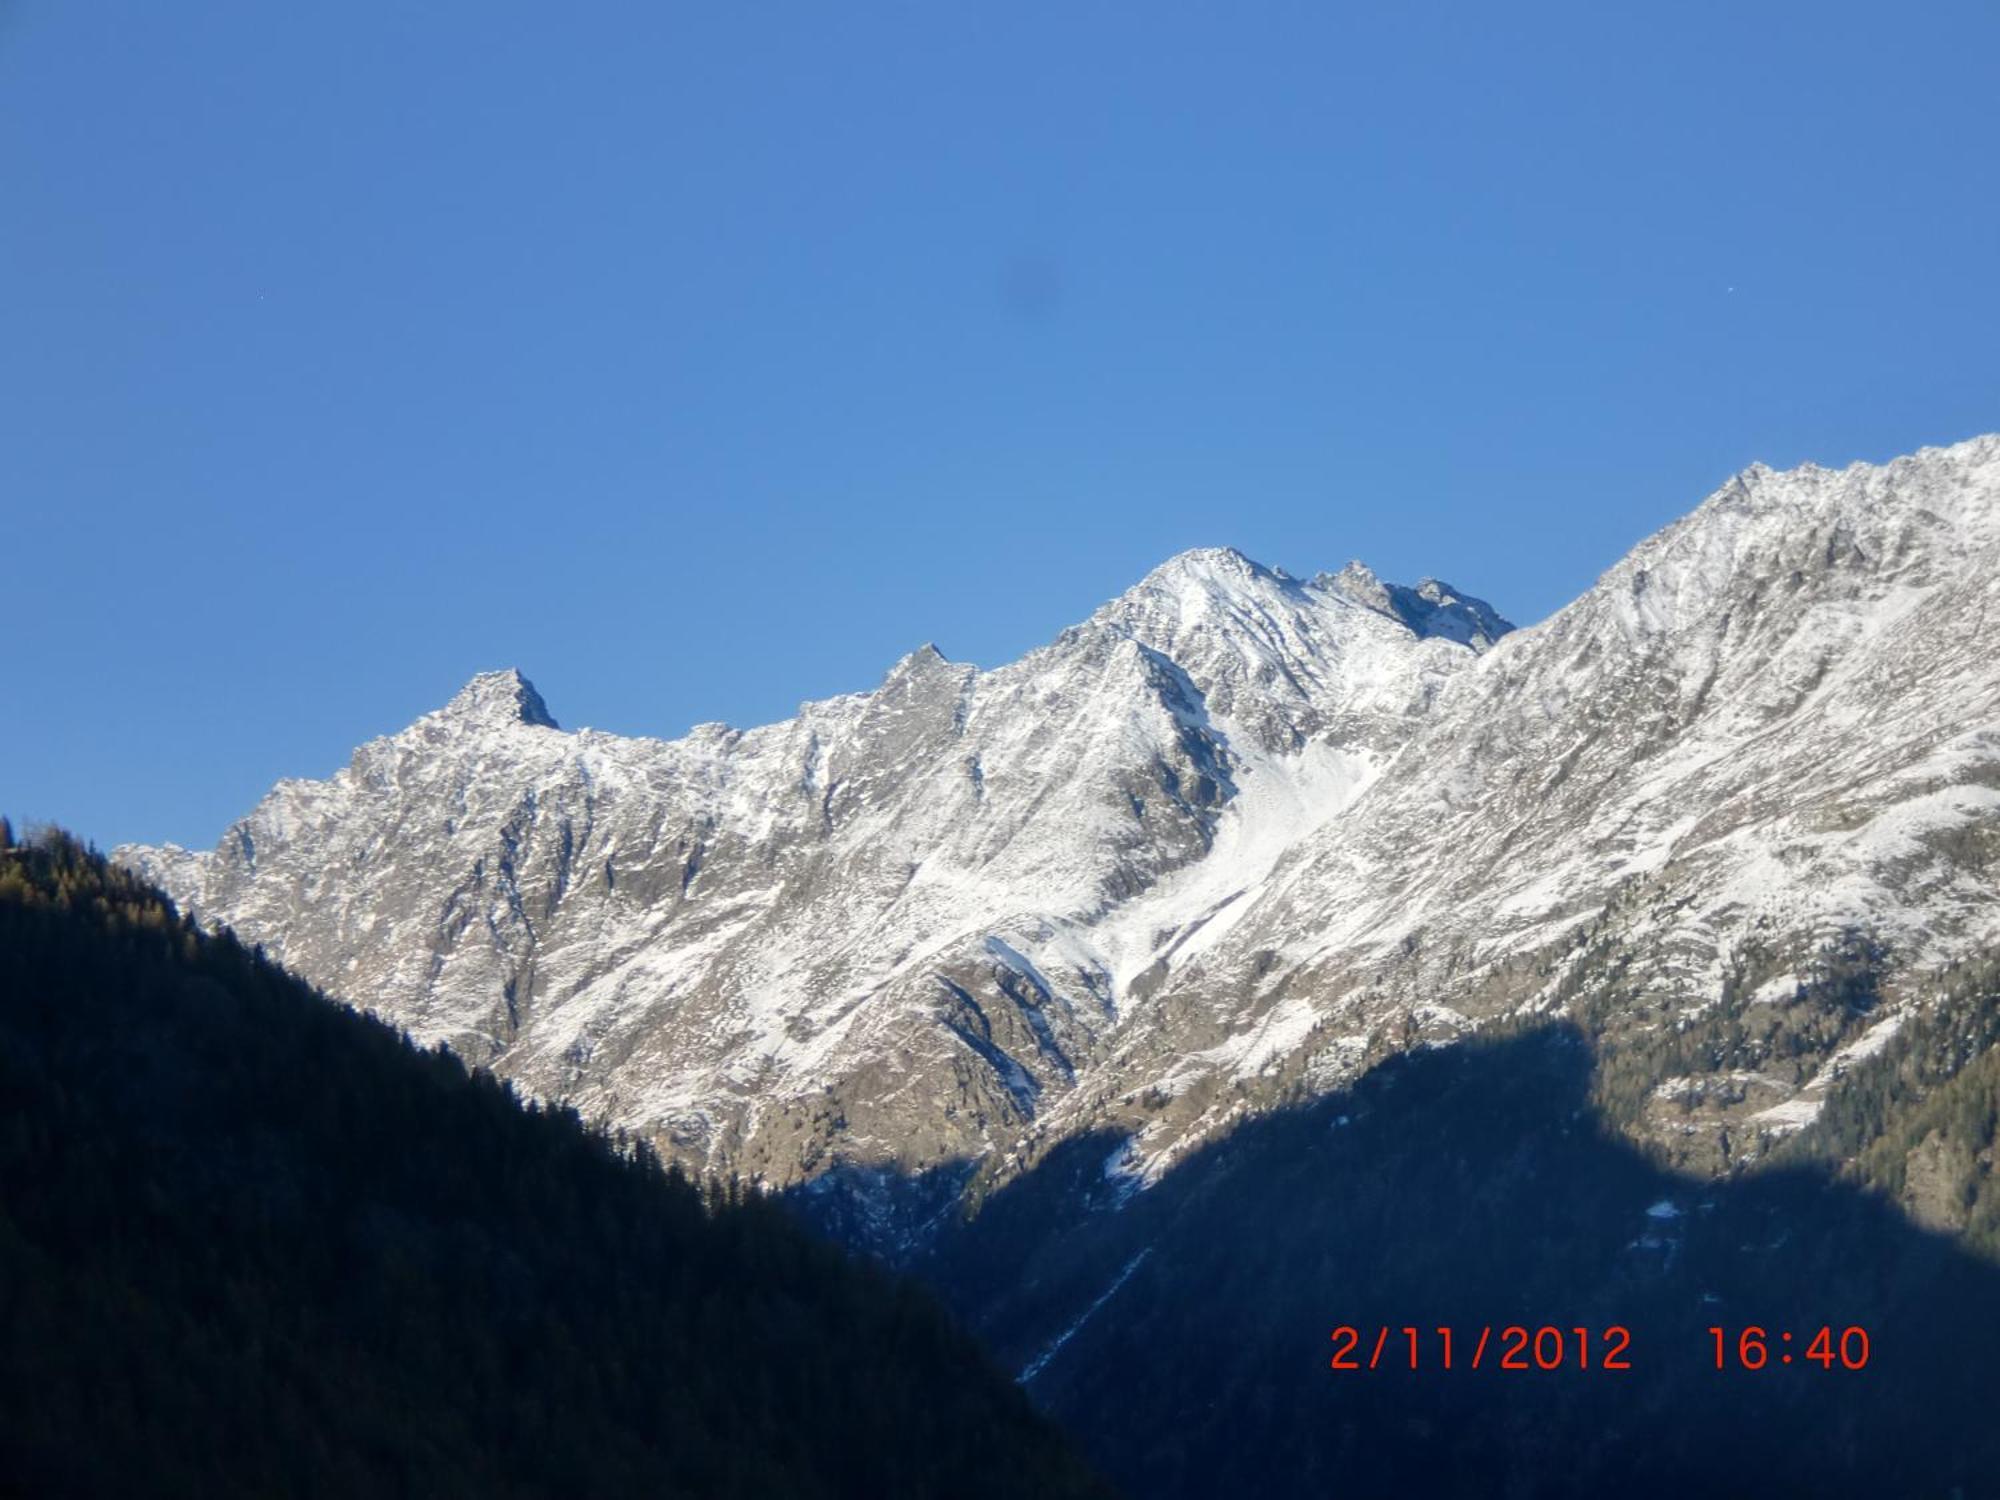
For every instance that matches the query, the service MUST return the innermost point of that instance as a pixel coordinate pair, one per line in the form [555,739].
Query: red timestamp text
[1511,1347]
[1758,1348]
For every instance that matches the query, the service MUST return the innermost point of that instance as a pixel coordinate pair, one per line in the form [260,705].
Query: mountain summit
[1433,607]
[1232,839]
[498,699]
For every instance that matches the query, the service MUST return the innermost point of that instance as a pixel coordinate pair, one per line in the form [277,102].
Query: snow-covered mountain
[1231,839]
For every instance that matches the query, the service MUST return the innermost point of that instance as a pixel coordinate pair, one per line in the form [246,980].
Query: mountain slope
[753,945]
[254,1244]
[1183,1333]
[1228,842]
[1753,773]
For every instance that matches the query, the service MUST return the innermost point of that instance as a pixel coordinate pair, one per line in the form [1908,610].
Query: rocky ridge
[1227,842]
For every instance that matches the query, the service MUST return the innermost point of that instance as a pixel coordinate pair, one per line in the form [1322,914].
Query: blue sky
[702,359]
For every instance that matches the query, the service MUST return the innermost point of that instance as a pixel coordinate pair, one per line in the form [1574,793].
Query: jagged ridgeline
[254,1244]
[1228,842]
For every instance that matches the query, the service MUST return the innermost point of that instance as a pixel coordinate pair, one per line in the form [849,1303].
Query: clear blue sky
[699,359]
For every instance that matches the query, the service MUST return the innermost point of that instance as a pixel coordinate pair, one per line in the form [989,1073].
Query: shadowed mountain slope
[1183,1331]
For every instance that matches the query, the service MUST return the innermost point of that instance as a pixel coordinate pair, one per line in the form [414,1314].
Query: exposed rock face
[1933,1192]
[1229,839]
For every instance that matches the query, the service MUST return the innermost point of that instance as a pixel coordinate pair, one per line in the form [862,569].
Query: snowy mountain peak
[1201,582]
[1210,581]
[1433,609]
[1215,564]
[920,662]
[1233,837]
[1358,582]
[1963,470]
[499,699]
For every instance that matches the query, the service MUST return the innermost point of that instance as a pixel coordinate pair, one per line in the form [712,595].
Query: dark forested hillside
[1919,1121]
[256,1244]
